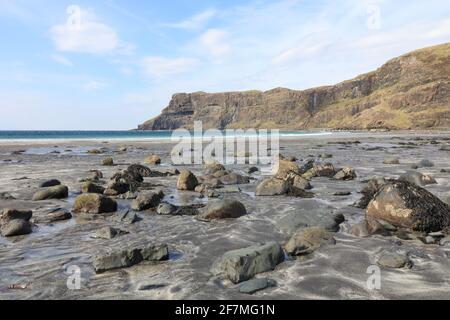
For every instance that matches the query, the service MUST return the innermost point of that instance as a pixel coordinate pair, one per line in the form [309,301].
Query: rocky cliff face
[409,92]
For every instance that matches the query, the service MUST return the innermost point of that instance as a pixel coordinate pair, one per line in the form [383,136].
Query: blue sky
[112,64]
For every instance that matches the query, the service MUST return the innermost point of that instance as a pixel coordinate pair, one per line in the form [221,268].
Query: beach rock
[308,240]
[229,189]
[393,260]
[49,183]
[115,188]
[369,191]
[345,174]
[56,192]
[6,196]
[272,187]
[417,178]
[234,178]
[320,170]
[94,151]
[252,170]
[222,209]
[96,174]
[90,187]
[166,209]
[108,162]
[425,163]
[126,217]
[342,193]
[210,181]
[333,224]
[13,214]
[213,167]
[59,215]
[153,159]
[325,156]
[243,264]
[137,172]
[127,258]
[367,228]
[360,230]
[407,205]
[299,182]
[107,233]
[146,201]
[391,160]
[94,203]
[15,227]
[286,167]
[187,181]
[255,285]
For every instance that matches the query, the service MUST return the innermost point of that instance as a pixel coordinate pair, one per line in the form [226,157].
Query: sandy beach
[33,266]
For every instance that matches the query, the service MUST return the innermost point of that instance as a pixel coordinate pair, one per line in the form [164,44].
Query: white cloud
[94,85]
[215,41]
[162,66]
[308,48]
[195,22]
[88,36]
[61,60]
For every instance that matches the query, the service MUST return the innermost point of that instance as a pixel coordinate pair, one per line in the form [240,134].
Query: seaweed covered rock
[369,191]
[406,205]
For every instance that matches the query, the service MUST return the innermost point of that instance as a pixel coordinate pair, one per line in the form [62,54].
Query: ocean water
[117,135]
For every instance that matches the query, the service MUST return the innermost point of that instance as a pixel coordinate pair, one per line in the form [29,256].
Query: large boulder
[187,181]
[272,187]
[94,203]
[222,209]
[128,257]
[417,178]
[406,205]
[299,182]
[56,192]
[308,240]
[146,201]
[243,264]
[13,214]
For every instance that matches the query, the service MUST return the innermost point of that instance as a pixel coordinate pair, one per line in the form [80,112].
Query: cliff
[408,92]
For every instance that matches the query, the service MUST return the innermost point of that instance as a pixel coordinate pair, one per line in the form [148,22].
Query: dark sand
[333,272]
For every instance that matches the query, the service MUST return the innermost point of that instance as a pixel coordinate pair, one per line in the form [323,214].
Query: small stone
[391,160]
[166,209]
[52,217]
[254,285]
[252,170]
[108,162]
[345,174]
[187,181]
[12,214]
[107,233]
[94,203]
[146,201]
[222,209]
[153,159]
[16,227]
[342,193]
[308,240]
[425,163]
[56,192]
[90,187]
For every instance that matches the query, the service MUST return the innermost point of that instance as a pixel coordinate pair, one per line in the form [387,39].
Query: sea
[129,135]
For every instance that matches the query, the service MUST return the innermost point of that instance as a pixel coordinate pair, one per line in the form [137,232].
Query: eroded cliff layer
[408,92]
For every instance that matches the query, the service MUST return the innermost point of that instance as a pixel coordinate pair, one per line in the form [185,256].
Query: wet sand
[38,260]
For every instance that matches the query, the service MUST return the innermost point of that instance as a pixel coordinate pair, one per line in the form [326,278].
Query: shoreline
[330,135]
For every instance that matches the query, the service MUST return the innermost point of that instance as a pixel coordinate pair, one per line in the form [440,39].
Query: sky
[113,64]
